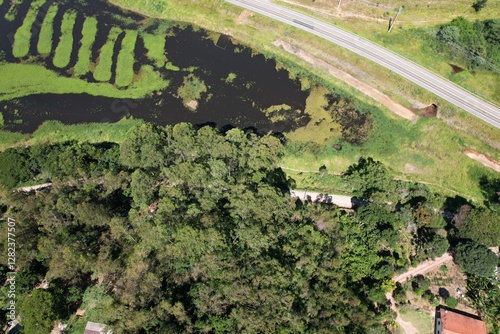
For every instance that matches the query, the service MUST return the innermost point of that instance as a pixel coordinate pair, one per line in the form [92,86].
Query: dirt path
[424,268]
[338,200]
[408,327]
[483,159]
[383,99]
[308,171]
[421,269]
[36,187]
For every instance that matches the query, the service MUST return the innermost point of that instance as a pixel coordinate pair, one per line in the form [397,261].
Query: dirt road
[338,200]
[424,268]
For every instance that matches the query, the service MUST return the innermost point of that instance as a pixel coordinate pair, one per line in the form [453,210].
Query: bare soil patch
[383,99]
[483,159]
[429,111]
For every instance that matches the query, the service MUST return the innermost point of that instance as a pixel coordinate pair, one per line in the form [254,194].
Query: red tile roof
[457,323]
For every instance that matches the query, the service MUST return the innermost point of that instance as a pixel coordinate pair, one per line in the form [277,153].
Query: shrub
[451,302]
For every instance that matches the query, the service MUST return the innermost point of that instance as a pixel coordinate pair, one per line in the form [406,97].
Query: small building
[457,322]
[96,328]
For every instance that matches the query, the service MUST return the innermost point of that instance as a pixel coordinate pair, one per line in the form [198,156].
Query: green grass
[64,48]
[421,320]
[89,31]
[55,131]
[105,61]
[426,152]
[22,38]
[9,139]
[12,12]
[19,80]
[125,61]
[155,44]
[44,44]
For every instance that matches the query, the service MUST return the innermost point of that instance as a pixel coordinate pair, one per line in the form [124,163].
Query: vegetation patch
[171,67]
[105,61]
[19,80]
[125,61]
[12,12]
[64,48]
[278,113]
[22,38]
[89,32]
[191,90]
[155,45]
[45,37]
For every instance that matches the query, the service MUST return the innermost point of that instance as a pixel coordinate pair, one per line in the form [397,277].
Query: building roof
[451,322]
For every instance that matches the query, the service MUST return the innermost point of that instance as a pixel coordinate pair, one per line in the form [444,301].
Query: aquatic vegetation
[105,61]
[45,37]
[19,80]
[12,12]
[191,90]
[155,45]
[22,38]
[64,48]
[89,32]
[125,61]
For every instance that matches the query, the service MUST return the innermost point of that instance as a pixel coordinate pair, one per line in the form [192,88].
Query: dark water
[258,85]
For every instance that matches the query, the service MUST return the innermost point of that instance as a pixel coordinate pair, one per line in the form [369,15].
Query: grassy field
[421,320]
[428,151]
[45,37]
[89,31]
[55,131]
[105,61]
[19,80]
[125,61]
[155,45]
[22,38]
[64,48]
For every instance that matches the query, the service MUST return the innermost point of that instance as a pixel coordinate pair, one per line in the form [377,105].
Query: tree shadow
[490,188]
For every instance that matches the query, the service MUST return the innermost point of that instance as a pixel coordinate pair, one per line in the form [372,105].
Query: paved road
[443,88]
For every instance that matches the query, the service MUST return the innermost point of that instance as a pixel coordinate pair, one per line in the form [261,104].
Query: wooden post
[338,7]
[392,25]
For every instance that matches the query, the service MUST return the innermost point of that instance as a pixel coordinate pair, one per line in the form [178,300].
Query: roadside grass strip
[105,61]
[64,48]
[44,44]
[89,32]
[22,38]
[12,12]
[125,61]
[155,46]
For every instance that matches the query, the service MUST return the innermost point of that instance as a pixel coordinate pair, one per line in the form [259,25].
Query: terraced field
[78,45]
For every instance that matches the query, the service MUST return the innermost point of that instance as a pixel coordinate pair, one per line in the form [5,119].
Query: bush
[451,302]
[443,268]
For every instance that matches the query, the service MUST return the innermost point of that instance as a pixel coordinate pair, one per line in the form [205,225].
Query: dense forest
[192,230]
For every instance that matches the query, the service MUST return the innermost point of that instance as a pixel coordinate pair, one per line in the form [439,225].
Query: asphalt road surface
[436,84]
